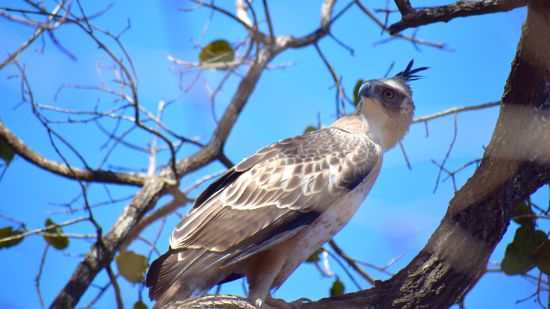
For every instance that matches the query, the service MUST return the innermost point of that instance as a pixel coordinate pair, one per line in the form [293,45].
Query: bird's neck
[381,130]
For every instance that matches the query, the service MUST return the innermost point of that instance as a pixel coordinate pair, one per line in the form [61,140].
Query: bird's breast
[323,228]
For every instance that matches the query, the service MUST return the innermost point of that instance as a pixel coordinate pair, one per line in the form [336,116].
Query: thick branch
[404,6]
[326,22]
[179,199]
[418,17]
[62,169]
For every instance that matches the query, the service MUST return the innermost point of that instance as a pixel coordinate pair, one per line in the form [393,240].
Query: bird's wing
[271,195]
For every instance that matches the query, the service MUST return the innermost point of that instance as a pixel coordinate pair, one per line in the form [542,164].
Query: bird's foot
[258,303]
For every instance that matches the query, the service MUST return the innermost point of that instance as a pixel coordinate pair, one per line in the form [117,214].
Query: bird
[266,215]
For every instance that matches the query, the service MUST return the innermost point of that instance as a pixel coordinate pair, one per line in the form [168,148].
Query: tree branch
[61,169]
[413,39]
[417,17]
[455,110]
[39,30]
[326,22]
[351,262]
[179,199]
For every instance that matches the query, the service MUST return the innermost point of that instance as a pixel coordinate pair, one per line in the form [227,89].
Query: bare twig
[351,262]
[405,156]
[43,230]
[102,291]
[116,287]
[442,165]
[384,28]
[39,30]
[268,19]
[455,110]
[340,89]
[345,269]
[240,18]
[39,275]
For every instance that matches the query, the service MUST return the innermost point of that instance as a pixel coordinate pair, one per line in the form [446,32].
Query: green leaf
[314,257]
[132,266]
[310,129]
[356,91]
[218,51]
[140,305]
[540,237]
[337,288]
[6,232]
[519,258]
[542,258]
[523,212]
[59,242]
[515,262]
[6,153]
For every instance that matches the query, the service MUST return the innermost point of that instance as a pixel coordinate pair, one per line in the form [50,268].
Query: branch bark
[64,170]
[418,17]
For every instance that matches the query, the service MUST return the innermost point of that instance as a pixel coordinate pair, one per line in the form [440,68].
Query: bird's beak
[364,90]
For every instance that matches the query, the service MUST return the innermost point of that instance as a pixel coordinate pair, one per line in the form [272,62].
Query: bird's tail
[180,275]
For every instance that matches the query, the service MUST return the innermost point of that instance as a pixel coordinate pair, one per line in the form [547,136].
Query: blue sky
[401,211]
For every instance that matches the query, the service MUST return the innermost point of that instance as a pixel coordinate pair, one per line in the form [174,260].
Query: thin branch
[451,145]
[341,93]
[384,28]
[116,287]
[345,269]
[43,230]
[405,156]
[246,23]
[41,28]
[98,296]
[39,275]
[455,110]
[351,262]
[430,15]
[268,19]
[64,170]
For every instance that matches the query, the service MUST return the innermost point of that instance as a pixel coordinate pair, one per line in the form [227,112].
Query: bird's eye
[388,94]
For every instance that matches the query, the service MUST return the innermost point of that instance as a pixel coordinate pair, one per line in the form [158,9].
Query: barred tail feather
[171,278]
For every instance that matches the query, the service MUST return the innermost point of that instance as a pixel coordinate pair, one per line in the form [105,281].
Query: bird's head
[388,107]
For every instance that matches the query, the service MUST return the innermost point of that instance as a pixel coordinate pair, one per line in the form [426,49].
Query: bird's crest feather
[409,73]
